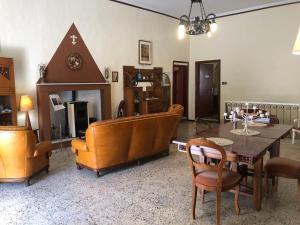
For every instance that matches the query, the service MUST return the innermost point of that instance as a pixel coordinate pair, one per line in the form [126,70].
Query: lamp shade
[296,49]
[26,103]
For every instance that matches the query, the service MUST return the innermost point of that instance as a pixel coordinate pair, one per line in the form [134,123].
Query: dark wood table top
[273,131]
[248,148]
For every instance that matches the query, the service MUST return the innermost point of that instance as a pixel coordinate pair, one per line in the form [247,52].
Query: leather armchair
[20,157]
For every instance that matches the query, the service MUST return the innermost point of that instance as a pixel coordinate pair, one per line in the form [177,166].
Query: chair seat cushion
[209,178]
[283,167]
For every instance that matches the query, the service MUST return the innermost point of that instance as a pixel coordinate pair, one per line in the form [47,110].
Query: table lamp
[25,106]
[296,49]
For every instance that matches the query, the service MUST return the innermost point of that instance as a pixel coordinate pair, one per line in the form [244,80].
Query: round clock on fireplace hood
[74,61]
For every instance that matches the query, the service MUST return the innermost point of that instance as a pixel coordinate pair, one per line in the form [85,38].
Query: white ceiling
[220,7]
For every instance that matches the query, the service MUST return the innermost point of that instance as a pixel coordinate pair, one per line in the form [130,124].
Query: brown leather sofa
[115,142]
[20,157]
[179,109]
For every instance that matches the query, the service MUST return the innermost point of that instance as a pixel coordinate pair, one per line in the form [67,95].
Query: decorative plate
[220,141]
[74,61]
[243,133]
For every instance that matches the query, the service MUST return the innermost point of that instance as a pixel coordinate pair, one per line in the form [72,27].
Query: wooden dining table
[249,149]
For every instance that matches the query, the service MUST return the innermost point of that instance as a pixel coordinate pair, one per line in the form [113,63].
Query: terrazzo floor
[157,192]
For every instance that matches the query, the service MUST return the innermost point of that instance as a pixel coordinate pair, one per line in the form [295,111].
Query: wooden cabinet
[146,99]
[133,98]
[153,105]
[8,106]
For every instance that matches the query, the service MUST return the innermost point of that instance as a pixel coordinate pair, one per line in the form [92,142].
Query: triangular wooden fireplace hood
[71,68]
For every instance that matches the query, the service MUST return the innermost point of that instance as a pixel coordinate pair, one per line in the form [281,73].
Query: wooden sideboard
[151,105]
[8,106]
[149,100]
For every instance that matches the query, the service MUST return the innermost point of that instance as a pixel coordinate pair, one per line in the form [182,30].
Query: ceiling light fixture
[198,25]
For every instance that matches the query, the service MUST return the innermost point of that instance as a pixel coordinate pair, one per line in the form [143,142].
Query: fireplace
[64,75]
[45,109]
[77,118]
[81,109]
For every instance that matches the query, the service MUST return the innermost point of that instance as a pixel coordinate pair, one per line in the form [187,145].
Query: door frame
[197,71]
[175,62]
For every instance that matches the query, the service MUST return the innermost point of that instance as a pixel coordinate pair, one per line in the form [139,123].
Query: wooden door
[204,90]
[180,86]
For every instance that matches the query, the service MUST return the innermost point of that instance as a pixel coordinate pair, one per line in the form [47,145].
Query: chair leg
[202,195]
[245,180]
[299,190]
[47,169]
[98,174]
[236,200]
[266,183]
[275,181]
[78,166]
[218,208]
[195,189]
[27,182]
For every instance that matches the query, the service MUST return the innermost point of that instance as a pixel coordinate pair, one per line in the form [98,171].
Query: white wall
[255,51]
[31,31]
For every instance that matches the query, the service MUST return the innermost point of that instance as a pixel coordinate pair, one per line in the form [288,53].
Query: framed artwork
[115,76]
[56,102]
[145,52]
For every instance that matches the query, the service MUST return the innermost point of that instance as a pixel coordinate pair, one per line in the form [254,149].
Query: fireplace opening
[81,108]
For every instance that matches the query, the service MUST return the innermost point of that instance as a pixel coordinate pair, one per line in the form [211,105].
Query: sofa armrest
[43,148]
[79,145]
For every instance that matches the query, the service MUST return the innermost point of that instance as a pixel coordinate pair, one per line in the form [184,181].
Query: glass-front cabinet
[145,90]
[8,108]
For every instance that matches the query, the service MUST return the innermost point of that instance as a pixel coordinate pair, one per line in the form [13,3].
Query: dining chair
[281,167]
[209,177]
[121,109]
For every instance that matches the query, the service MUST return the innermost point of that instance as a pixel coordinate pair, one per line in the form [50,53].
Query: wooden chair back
[208,149]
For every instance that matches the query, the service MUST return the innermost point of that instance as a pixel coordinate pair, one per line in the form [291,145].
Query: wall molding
[221,15]
[256,8]
[145,9]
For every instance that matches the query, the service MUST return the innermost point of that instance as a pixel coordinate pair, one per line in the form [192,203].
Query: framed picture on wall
[115,76]
[145,52]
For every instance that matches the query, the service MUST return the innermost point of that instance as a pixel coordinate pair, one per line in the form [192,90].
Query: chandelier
[198,25]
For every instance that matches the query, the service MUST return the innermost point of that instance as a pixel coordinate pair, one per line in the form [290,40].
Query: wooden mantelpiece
[44,90]
[60,77]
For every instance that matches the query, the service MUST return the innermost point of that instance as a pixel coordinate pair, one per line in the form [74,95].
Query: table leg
[275,149]
[257,184]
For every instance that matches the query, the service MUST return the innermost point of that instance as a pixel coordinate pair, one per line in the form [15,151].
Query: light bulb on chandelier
[209,34]
[181,31]
[213,27]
